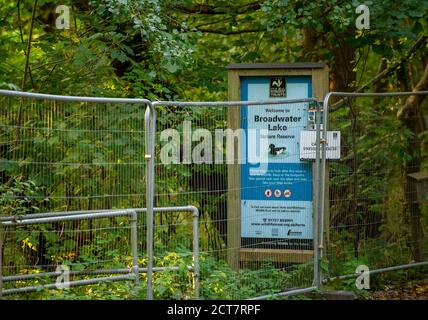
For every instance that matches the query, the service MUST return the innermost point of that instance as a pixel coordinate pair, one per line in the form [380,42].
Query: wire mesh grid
[33,252]
[192,167]
[77,155]
[65,155]
[85,155]
[374,217]
[89,156]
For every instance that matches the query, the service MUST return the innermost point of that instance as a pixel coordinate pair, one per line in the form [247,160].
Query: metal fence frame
[133,273]
[150,142]
[150,126]
[150,139]
[322,142]
[88,214]
[150,120]
[143,102]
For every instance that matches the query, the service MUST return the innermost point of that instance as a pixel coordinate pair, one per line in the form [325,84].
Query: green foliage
[112,45]
[220,282]
[17,197]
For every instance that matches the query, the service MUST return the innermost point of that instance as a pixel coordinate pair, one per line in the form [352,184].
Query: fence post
[1,260]
[150,128]
[316,200]
[134,244]
[196,279]
[324,178]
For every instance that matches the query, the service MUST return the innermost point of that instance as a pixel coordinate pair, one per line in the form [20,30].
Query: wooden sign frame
[320,85]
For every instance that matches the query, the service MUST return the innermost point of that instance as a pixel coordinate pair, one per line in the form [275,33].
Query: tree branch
[18,5]
[413,102]
[30,36]
[24,78]
[420,43]
[411,116]
[213,10]
[221,20]
[232,32]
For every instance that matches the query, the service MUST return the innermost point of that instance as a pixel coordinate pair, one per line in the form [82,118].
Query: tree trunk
[381,85]
[411,116]
[310,40]
[342,74]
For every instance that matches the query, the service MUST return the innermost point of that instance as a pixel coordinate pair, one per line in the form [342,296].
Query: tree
[412,117]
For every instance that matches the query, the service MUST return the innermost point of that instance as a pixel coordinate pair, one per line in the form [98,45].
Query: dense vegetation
[178,50]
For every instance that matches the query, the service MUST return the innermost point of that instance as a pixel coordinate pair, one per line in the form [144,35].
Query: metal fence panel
[87,153]
[87,244]
[61,153]
[369,203]
[202,181]
[93,154]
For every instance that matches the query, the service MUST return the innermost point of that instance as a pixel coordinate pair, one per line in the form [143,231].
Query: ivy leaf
[171,67]
[118,55]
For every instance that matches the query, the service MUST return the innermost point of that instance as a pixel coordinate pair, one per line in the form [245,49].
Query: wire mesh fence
[96,248]
[196,147]
[84,244]
[37,247]
[67,154]
[374,215]
[85,155]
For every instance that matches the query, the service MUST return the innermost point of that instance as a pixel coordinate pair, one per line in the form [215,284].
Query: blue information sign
[276,193]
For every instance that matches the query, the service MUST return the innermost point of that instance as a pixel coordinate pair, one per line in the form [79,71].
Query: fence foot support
[339,295]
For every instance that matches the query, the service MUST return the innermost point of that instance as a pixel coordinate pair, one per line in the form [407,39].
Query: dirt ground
[410,291]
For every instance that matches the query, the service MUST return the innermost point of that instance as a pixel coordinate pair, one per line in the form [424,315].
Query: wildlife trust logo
[277,87]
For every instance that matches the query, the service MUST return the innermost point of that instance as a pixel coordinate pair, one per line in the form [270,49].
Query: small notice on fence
[308,145]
